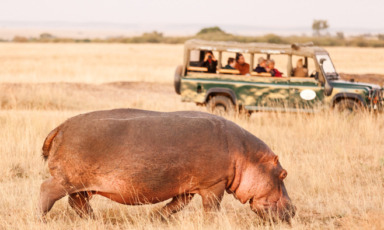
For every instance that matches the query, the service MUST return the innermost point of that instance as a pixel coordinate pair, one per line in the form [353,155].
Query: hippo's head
[262,185]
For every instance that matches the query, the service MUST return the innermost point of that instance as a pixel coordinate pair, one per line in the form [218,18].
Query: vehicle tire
[348,106]
[245,112]
[221,105]
[177,79]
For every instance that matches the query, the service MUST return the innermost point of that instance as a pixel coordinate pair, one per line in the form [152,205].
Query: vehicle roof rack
[297,46]
[301,49]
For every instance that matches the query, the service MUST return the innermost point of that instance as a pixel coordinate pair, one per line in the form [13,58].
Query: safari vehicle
[228,91]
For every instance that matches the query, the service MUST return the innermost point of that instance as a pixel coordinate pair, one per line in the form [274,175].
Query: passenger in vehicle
[210,62]
[261,65]
[300,70]
[230,63]
[272,70]
[241,65]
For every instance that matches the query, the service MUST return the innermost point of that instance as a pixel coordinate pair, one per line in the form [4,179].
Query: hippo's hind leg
[177,204]
[50,191]
[80,203]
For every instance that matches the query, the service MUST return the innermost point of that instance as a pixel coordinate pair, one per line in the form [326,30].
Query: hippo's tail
[48,142]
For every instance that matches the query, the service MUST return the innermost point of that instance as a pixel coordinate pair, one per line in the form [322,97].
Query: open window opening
[303,67]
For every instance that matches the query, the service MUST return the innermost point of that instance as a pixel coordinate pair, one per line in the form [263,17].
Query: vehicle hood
[354,85]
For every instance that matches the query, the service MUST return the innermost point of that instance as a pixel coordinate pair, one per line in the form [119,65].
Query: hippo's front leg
[80,203]
[212,197]
[177,204]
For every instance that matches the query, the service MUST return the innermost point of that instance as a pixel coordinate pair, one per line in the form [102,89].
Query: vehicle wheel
[245,112]
[221,105]
[348,106]
[177,80]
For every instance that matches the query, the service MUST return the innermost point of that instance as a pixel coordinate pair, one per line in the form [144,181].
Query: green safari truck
[307,81]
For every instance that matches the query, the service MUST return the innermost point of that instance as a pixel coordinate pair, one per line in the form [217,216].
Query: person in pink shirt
[272,70]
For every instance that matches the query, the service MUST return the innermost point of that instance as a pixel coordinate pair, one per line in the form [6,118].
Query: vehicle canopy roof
[306,50]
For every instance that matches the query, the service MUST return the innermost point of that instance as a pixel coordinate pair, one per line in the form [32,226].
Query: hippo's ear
[276,160]
[283,174]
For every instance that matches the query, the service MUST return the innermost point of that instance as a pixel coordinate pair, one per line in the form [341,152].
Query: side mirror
[327,89]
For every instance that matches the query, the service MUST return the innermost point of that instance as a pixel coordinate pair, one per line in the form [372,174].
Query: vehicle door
[305,93]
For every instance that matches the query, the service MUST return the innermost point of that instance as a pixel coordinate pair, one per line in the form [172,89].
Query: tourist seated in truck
[231,63]
[241,65]
[209,62]
[272,70]
[260,68]
[300,70]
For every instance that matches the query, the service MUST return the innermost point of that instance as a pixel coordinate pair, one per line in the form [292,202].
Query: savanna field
[335,163]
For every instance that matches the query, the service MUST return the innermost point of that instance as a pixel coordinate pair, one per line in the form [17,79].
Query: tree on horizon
[318,26]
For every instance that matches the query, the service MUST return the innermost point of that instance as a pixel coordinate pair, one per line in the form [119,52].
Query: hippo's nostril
[289,213]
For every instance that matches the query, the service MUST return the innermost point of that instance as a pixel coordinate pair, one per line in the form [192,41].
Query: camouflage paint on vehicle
[248,90]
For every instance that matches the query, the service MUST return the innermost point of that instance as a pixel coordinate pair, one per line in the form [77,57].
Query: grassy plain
[99,63]
[335,165]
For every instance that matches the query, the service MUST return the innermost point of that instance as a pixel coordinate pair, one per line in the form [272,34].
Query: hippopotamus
[137,157]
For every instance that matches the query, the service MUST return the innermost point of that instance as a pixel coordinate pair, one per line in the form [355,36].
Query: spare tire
[177,80]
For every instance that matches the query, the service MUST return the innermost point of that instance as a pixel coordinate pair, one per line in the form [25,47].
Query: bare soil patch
[369,78]
[83,96]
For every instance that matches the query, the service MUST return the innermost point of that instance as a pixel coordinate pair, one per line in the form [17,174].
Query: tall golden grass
[99,63]
[92,63]
[335,163]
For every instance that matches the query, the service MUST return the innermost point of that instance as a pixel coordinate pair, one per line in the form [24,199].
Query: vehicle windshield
[328,67]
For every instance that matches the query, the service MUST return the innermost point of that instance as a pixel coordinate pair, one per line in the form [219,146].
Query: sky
[366,14]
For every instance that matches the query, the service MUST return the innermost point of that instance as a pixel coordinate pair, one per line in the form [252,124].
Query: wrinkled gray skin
[142,157]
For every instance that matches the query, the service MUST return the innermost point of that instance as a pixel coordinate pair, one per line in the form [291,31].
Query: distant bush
[273,38]
[86,40]
[340,35]
[20,39]
[211,30]
[153,37]
[46,36]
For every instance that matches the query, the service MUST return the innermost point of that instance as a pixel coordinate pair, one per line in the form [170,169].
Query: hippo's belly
[139,189]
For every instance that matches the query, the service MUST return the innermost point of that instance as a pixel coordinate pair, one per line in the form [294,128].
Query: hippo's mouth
[266,205]
[275,210]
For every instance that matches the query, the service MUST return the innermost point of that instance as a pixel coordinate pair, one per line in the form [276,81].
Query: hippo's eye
[276,160]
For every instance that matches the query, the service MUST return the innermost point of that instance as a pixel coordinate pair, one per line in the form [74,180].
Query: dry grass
[336,175]
[357,60]
[99,63]
[81,96]
[335,165]
[92,63]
